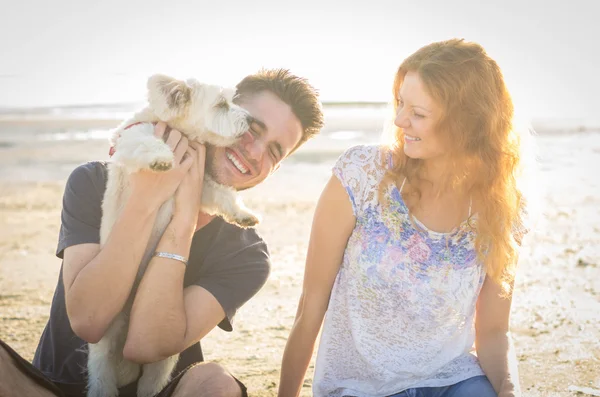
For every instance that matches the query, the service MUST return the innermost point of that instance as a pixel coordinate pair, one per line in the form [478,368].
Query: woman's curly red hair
[484,148]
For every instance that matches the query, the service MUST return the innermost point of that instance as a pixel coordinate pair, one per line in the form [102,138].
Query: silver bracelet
[169,255]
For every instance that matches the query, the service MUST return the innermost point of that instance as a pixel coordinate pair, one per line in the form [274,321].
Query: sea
[46,143]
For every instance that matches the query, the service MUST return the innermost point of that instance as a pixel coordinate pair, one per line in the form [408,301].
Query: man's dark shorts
[128,391]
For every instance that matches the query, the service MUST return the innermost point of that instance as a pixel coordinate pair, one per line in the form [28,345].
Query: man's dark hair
[295,91]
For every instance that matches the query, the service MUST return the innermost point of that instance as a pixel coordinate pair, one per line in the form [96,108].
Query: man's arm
[166,318]
[98,281]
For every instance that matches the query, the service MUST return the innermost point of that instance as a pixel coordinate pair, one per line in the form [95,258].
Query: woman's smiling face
[417,115]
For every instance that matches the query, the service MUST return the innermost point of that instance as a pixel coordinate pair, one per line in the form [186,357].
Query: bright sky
[81,52]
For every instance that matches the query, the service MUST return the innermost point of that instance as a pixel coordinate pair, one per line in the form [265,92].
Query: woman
[414,246]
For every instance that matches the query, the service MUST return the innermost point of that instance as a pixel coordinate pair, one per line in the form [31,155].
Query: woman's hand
[156,187]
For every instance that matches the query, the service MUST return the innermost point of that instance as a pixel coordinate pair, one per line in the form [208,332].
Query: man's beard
[211,168]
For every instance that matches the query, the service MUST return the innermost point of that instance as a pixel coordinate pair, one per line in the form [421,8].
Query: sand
[555,321]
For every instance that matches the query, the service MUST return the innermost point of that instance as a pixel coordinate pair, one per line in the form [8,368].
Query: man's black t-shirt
[230,262]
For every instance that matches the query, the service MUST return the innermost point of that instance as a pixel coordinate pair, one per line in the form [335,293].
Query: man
[176,304]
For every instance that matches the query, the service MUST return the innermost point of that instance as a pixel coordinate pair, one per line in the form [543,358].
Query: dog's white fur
[203,113]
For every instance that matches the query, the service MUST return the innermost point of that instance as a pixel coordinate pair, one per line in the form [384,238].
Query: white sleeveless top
[401,311]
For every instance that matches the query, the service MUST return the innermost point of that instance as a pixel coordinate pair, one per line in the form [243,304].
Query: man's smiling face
[274,133]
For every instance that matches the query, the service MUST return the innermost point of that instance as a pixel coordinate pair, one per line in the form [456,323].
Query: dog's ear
[168,97]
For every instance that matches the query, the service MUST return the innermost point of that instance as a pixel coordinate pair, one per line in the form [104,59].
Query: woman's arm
[332,226]
[493,341]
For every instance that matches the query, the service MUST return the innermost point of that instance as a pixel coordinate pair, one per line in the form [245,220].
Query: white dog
[203,113]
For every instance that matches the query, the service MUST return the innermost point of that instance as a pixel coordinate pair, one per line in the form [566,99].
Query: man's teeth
[237,164]
[411,138]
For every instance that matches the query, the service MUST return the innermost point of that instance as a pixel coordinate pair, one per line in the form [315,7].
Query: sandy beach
[555,318]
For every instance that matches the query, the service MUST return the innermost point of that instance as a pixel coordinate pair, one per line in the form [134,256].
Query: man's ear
[276,168]
[168,97]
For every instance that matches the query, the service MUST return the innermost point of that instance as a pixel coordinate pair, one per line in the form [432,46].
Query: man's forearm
[498,359]
[157,327]
[100,290]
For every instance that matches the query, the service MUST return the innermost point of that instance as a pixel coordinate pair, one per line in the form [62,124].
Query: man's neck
[203,220]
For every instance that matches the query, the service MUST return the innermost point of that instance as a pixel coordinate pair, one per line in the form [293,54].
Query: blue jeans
[478,386]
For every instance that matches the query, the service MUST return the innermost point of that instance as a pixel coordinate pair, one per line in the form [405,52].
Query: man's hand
[189,193]
[154,187]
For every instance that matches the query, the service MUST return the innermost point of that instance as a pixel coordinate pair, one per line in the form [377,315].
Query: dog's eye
[222,104]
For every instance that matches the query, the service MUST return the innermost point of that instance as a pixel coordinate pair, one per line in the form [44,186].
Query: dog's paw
[249,221]
[161,165]
[155,155]
[138,148]
[244,219]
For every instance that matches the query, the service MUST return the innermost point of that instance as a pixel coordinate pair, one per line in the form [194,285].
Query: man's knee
[209,379]
[15,383]
[7,362]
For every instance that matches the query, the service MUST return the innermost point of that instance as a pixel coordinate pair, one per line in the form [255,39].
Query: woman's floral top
[401,312]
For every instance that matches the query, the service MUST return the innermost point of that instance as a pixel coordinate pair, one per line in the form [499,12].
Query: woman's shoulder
[375,156]
[361,169]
